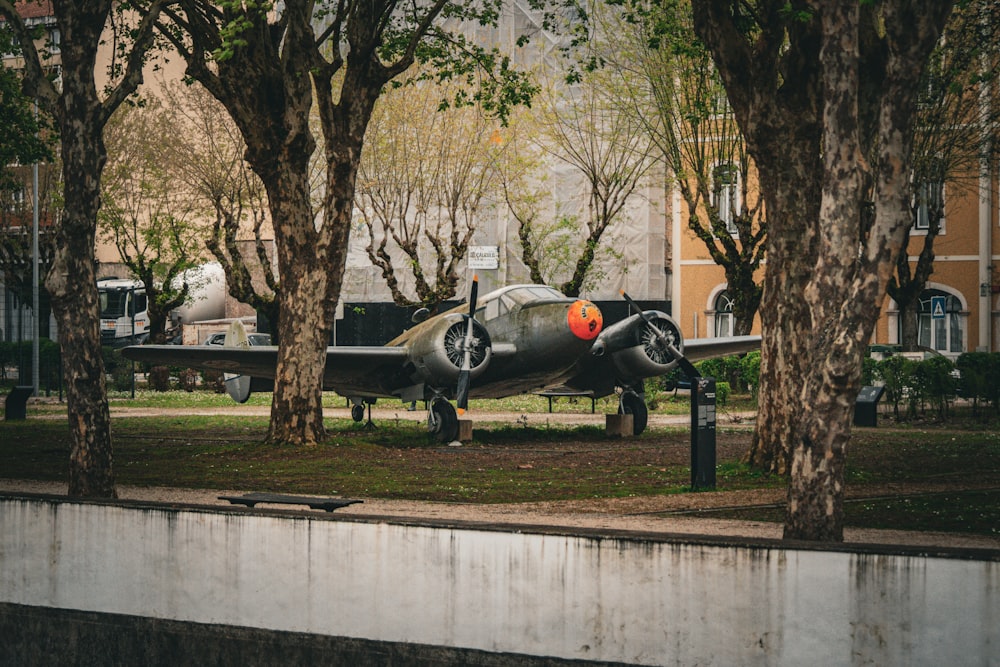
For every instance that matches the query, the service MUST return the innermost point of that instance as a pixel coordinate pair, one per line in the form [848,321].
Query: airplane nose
[585,320]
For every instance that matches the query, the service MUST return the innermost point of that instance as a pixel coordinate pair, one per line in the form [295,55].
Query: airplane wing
[257,361]
[697,349]
[347,367]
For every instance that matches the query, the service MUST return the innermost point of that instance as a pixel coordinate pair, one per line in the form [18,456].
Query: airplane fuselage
[536,336]
[547,349]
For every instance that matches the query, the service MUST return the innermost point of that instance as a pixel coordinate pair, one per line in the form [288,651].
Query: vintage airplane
[515,340]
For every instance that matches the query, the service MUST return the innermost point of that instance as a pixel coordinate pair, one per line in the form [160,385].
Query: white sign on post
[484,257]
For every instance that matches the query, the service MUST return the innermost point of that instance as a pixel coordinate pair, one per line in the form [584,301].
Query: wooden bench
[558,394]
[252,499]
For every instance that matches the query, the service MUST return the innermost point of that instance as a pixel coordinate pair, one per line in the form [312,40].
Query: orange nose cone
[585,320]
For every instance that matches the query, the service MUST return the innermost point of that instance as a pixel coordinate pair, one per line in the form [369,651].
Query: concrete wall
[611,597]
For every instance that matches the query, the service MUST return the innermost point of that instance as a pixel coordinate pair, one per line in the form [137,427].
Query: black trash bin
[16,406]
[866,407]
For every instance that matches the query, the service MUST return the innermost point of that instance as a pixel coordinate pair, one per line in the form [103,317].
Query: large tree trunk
[848,286]
[72,281]
[792,185]
[821,293]
[305,311]
[304,333]
[816,491]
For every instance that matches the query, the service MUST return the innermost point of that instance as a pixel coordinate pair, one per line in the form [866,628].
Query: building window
[726,194]
[928,204]
[723,314]
[940,324]
[55,40]
[14,202]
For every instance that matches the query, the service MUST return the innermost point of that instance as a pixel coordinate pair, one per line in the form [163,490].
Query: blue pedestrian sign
[937,307]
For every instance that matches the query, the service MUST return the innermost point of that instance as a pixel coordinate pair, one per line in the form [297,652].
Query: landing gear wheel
[442,421]
[357,412]
[634,404]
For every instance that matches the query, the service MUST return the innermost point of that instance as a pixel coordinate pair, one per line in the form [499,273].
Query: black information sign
[703,433]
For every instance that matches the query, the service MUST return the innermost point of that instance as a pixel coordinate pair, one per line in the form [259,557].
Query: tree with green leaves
[583,127]
[825,94]
[25,138]
[143,215]
[80,110]
[666,78]
[426,175]
[270,65]
[221,186]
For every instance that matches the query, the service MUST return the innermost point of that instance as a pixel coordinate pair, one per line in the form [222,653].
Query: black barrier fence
[377,322]
[16,365]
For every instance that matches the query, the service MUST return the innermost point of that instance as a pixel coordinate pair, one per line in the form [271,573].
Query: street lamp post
[34,274]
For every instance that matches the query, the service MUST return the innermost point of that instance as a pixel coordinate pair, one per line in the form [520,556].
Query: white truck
[124,316]
[123,298]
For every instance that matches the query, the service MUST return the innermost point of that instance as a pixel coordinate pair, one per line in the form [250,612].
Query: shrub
[936,383]
[750,372]
[710,368]
[980,378]
[724,369]
[214,381]
[896,373]
[668,382]
[159,378]
[188,379]
[18,354]
[722,391]
[869,371]
[122,377]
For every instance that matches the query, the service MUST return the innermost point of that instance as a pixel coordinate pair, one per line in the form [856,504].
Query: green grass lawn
[958,470]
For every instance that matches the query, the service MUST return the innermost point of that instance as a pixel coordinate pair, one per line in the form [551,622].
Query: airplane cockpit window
[531,293]
[498,306]
[543,292]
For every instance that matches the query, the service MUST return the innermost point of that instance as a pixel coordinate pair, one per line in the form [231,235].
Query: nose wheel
[442,421]
[631,403]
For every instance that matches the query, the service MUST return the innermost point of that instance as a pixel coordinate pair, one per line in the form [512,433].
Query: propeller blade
[464,374]
[473,296]
[462,401]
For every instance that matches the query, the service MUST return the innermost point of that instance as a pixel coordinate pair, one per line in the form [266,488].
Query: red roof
[33,9]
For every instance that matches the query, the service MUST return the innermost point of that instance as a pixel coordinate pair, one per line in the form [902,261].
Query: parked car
[255,338]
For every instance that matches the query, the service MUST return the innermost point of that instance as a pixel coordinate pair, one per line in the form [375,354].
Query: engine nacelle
[437,351]
[635,349]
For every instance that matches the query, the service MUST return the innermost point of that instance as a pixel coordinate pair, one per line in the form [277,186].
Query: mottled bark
[819,445]
[775,98]
[72,281]
[72,284]
[792,190]
[804,114]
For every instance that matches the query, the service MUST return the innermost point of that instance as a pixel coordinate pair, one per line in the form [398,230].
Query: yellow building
[964,317]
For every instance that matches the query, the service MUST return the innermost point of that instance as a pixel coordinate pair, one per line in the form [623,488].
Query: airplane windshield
[512,298]
[543,292]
